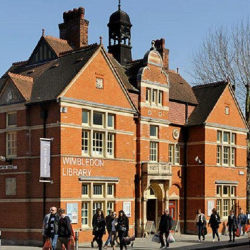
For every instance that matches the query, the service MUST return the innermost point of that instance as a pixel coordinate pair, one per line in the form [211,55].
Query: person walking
[242,220]
[232,225]
[99,228]
[200,221]
[214,222]
[166,224]
[108,220]
[45,223]
[64,230]
[52,227]
[94,221]
[122,227]
[114,224]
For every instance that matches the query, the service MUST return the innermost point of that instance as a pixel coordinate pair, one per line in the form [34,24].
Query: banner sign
[45,157]
[72,212]
[127,208]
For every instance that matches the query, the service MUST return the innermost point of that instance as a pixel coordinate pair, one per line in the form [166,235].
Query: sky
[183,23]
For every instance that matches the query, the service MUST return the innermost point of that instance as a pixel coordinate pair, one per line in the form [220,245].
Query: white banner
[45,158]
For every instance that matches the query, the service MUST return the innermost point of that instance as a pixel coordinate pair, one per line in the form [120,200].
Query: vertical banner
[72,212]
[45,158]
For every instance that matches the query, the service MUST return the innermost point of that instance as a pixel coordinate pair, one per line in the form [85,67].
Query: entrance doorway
[151,210]
[172,209]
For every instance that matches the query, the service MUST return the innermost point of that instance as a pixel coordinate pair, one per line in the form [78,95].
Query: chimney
[74,28]
[160,47]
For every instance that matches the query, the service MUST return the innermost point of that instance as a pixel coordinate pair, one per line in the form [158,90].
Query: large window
[98,189]
[154,97]
[174,154]
[154,151]
[11,144]
[96,137]
[226,150]
[11,119]
[225,199]
[85,213]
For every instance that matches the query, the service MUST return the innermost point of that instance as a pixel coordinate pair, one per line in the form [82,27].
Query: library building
[85,127]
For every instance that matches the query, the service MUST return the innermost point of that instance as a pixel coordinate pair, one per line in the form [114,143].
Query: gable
[10,94]
[42,52]
[98,82]
[227,111]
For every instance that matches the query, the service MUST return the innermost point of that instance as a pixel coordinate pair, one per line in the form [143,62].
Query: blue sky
[183,23]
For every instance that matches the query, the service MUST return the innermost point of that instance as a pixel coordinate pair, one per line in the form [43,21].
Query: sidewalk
[182,242]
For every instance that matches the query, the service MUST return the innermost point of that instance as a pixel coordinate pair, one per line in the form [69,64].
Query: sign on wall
[127,208]
[72,212]
[45,145]
[210,206]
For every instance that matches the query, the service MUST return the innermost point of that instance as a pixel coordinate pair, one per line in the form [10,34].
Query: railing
[157,168]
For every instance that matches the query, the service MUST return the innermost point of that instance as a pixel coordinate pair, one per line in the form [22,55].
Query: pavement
[183,241]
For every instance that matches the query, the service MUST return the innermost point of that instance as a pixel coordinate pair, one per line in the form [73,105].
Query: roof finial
[119,5]
[100,40]
[153,45]
[43,31]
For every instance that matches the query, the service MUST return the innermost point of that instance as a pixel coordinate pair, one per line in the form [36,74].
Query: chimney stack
[160,47]
[74,29]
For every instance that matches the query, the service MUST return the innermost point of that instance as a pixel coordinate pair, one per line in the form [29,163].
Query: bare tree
[225,54]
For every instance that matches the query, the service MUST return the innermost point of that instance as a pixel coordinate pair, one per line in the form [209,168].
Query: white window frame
[98,143]
[160,98]
[87,210]
[88,190]
[174,154]
[110,206]
[102,190]
[11,144]
[113,121]
[153,151]
[112,190]
[156,130]
[148,95]
[110,145]
[85,148]
[88,117]
[154,97]
[7,119]
[97,204]
[103,120]
[171,153]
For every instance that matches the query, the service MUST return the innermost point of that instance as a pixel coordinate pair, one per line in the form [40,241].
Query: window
[110,207]
[218,155]
[177,155]
[226,155]
[11,119]
[97,205]
[85,142]
[219,136]
[225,211]
[233,156]
[85,190]
[233,138]
[98,119]
[153,131]
[226,190]
[11,144]
[154,96]
[98,189]
[111,188]
[154,151]
[85,117]
[218,190]
[171,153]
[98,139]
[99,83]
[110,145]
[148,95]
[233,191]
[160,100]
[218,207]
[226,136]
[111,119]
[85,214]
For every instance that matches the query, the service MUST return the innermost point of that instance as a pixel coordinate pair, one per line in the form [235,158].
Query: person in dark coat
[166,224]
[242,220]
[64,229]
[99,228]
[200,222]
[232,225]
[94,221]
[108,220]
[122,227]
[214,222]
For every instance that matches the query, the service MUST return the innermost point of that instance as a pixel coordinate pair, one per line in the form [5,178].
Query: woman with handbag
[214,222]
[122,227]
[232,225]
[99,228]
[200,221]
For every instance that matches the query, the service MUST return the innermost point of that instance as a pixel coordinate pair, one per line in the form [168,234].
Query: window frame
[102,190]
[85,217]
[88,117]
[7,119]
[13,150]
[98,125]
[153,151]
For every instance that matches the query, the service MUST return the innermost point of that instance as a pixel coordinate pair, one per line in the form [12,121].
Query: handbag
[237,233]
[47,245]
[123,229]
[204,230]
[170,238]
[156,238]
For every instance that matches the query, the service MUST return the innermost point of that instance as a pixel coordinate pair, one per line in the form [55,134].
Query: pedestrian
[214,223]
[94,221]
[200,221]
[232,225]
[99,228]
[166,224]
[45,223]
[114,224]
[64,230]
[122,227]
[242,220]
[52,227]
[108,220]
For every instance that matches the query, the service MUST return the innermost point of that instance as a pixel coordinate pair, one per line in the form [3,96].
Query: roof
[179,89]
[50,78]
[57,44]
[207,96]
[120,17]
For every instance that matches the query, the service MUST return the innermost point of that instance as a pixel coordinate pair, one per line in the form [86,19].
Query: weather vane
[119,5]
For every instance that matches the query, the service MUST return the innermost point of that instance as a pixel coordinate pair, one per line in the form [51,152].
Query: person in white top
[200,222]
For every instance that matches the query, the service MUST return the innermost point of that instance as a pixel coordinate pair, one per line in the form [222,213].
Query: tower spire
[119,5]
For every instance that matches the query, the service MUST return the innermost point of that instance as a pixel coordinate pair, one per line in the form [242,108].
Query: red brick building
[130,135]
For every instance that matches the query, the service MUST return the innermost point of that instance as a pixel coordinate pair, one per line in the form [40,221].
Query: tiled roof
[180,90]
[57,44]
[207,96]
[52,77]
[23,83]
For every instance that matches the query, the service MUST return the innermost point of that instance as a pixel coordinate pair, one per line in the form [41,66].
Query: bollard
[76,239]
[0,239]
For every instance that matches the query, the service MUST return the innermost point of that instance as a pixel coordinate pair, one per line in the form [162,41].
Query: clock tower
[120,36]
